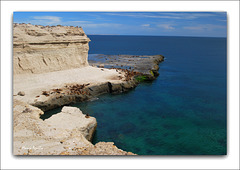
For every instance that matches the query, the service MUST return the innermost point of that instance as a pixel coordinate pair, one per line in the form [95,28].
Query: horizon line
[160,35]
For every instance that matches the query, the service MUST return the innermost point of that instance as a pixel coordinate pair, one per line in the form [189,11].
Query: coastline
[43,80]
[96,81]
[59,95]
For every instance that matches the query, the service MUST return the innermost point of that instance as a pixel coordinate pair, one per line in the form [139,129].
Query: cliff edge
[41,49]
[51,70]
[66,133]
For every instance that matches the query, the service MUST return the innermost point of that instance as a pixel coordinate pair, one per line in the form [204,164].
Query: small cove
[182,112]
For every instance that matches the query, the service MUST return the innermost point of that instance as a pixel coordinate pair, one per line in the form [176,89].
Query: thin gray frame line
[98,0]
[132,169]
[117,157]
[120,0]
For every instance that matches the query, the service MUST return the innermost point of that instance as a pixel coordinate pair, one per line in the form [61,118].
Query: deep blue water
[182,112]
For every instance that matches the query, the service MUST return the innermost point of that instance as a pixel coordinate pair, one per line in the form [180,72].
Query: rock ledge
[66,133]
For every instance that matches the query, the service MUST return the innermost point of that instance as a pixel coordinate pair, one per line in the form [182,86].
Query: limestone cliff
[50,70]
[41,49]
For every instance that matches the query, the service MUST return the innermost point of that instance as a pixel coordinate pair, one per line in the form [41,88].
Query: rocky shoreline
[51,99]
[59,97]
[67,133]
[46,82]
[82,92]
[143,65]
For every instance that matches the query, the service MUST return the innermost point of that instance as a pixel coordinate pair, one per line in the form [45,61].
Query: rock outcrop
[51,70]
[104,148]
[146,65]
[66,133]
[48,100]
[41,49]
[71,120]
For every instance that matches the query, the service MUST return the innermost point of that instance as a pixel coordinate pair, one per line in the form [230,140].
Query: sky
[199,24]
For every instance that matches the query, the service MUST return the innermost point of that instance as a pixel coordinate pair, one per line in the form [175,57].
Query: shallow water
[182,112]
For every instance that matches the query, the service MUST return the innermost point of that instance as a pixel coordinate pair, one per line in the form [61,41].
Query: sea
[182,112]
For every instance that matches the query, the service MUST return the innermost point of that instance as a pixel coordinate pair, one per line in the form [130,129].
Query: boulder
[57,136]
[72,120]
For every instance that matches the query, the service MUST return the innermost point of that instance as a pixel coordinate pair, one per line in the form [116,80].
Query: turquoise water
[182,112]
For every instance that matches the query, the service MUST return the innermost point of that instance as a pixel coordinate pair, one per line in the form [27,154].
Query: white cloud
[166,26]
[189,15]
[165,15]
[204,27]
[47,20]
[100,25]
[54,20]
[79,21]
[142,15]
[224,20]
[90,24]
[145,25]
[195,28]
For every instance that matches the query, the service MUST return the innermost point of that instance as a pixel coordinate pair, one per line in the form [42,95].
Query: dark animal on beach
[45,93]
[26,110]
[87,115]
[78,89]
[57,90]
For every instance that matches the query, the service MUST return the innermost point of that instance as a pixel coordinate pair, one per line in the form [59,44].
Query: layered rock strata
[41,49]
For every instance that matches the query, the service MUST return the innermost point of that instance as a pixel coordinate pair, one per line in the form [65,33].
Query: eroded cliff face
[41,49]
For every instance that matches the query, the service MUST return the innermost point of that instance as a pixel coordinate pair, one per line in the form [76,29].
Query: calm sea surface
[182,112]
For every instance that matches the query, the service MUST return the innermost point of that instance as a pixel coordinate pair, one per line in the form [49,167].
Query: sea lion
[87,115]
